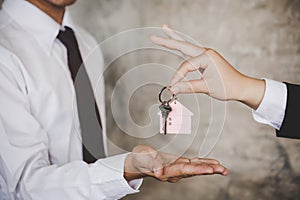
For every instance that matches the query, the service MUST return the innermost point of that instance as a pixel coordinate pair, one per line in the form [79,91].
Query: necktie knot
[67,37]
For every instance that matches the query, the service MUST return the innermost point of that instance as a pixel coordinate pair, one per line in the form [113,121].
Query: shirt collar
[36,22]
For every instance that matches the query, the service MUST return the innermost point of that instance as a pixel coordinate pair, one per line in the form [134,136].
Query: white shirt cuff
[136,183]
[108,179]
[271,111]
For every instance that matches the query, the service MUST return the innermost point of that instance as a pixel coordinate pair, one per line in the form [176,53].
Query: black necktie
[90,122]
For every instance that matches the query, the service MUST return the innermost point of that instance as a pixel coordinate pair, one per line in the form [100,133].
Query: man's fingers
[183,170]
[174,180]
[193,86]
[205,160]
[171,33]
[219,169]
[184,47]
[183,160]
[200,62]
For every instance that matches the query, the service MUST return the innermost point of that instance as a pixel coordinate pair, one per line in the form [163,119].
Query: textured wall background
[261,38]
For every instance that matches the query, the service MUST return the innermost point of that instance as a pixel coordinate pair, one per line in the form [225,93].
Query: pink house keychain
[174,117]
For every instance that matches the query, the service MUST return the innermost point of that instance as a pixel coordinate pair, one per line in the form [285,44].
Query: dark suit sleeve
[290,127]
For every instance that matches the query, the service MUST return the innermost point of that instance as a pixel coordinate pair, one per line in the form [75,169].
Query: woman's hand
[217,77]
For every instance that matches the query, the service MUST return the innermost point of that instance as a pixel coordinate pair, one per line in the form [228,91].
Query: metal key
[165,109]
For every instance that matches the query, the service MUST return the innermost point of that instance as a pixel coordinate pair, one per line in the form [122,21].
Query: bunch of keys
[165,108]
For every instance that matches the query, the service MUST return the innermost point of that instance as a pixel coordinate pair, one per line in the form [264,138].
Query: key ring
[159,96]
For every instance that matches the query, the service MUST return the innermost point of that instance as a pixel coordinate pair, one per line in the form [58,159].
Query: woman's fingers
[182,46]
[199,62]
[193,86]
[171,33]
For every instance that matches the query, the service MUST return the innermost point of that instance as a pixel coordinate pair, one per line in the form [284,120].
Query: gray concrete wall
[260,37]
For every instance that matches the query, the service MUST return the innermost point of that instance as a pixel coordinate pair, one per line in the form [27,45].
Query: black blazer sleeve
[290,127]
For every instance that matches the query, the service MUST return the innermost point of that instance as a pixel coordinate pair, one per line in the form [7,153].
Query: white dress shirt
[40,139]
[271,110]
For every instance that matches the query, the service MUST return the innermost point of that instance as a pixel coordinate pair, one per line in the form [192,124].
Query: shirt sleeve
[25,166]
[110,171]
[272,108]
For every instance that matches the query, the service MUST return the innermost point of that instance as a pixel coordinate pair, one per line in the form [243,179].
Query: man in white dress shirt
[40,138]
[273,103]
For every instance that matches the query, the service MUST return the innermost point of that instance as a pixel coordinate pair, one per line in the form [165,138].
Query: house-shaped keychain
[179,120]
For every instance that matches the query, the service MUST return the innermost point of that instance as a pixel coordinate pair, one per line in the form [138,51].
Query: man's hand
[217,78]
[146,161]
